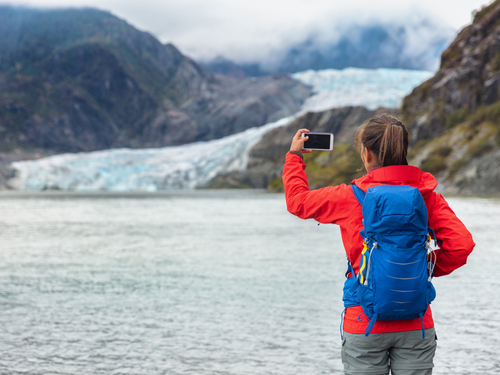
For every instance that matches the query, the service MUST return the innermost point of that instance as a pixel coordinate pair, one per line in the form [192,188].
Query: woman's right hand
[298,142]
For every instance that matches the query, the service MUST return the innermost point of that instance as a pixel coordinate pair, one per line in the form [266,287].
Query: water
[205,282]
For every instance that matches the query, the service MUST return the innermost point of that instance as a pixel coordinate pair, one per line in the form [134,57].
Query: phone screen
[318,141]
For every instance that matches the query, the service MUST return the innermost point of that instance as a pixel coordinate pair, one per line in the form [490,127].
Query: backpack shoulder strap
[358,193]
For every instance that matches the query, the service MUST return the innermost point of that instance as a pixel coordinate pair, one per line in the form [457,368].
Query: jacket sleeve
[454,240]
[326,205]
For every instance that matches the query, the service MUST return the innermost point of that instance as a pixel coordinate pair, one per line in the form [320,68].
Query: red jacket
[338,205]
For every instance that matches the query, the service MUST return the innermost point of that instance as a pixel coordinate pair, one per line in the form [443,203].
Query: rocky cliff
[454,118]
[81,80]
[468,78]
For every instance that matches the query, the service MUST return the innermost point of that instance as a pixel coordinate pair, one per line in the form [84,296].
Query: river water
[206,282]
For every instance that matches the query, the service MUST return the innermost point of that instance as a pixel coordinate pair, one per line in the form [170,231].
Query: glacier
[193,165]
[120,170]
[371,88]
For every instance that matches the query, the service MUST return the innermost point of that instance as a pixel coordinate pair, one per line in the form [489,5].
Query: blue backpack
[396,268]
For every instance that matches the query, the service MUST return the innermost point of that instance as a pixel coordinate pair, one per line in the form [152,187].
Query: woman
[382,141]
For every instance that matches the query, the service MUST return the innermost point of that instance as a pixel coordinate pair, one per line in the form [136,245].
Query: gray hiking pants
[402,353]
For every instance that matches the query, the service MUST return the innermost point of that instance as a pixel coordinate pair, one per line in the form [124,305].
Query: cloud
[255,30]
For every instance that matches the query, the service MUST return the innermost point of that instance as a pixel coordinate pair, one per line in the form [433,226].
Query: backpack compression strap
[358,193]
[360,196]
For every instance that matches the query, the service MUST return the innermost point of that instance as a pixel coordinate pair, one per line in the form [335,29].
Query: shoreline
[178,193]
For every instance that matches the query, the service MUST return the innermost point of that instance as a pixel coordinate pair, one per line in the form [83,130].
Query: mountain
[414,45]
[454,117]
[82,79]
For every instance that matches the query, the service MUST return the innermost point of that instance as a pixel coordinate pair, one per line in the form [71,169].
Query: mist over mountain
[413,45]
[82,79]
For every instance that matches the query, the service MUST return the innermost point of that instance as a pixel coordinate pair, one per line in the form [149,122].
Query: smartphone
[318,141]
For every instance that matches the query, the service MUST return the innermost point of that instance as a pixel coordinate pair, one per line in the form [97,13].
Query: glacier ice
[193,165]
[371,88]
[119,170]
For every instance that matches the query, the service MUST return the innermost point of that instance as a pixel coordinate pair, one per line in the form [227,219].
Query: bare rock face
[468,78]
[236,105]
[82,80]
[480,177]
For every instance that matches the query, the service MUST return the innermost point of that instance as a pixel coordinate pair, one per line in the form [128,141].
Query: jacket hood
[398,175]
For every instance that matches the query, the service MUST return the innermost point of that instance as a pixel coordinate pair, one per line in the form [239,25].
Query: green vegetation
[495,65]
[276,185]
[426,88]
[457,165]
[339,166]
[434,165]
[436,161]
[450,56]
[328,168]
[456,117]
[439,108]
[490,113]
[417,148]
[443,151]
[479,148]
[485,10]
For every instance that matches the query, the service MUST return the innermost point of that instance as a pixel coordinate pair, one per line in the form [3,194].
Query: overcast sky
[246,29]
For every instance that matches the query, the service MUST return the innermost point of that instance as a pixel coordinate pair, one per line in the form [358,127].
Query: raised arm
[326,205]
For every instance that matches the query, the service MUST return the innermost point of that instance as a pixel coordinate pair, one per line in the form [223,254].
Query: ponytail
[386,137]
